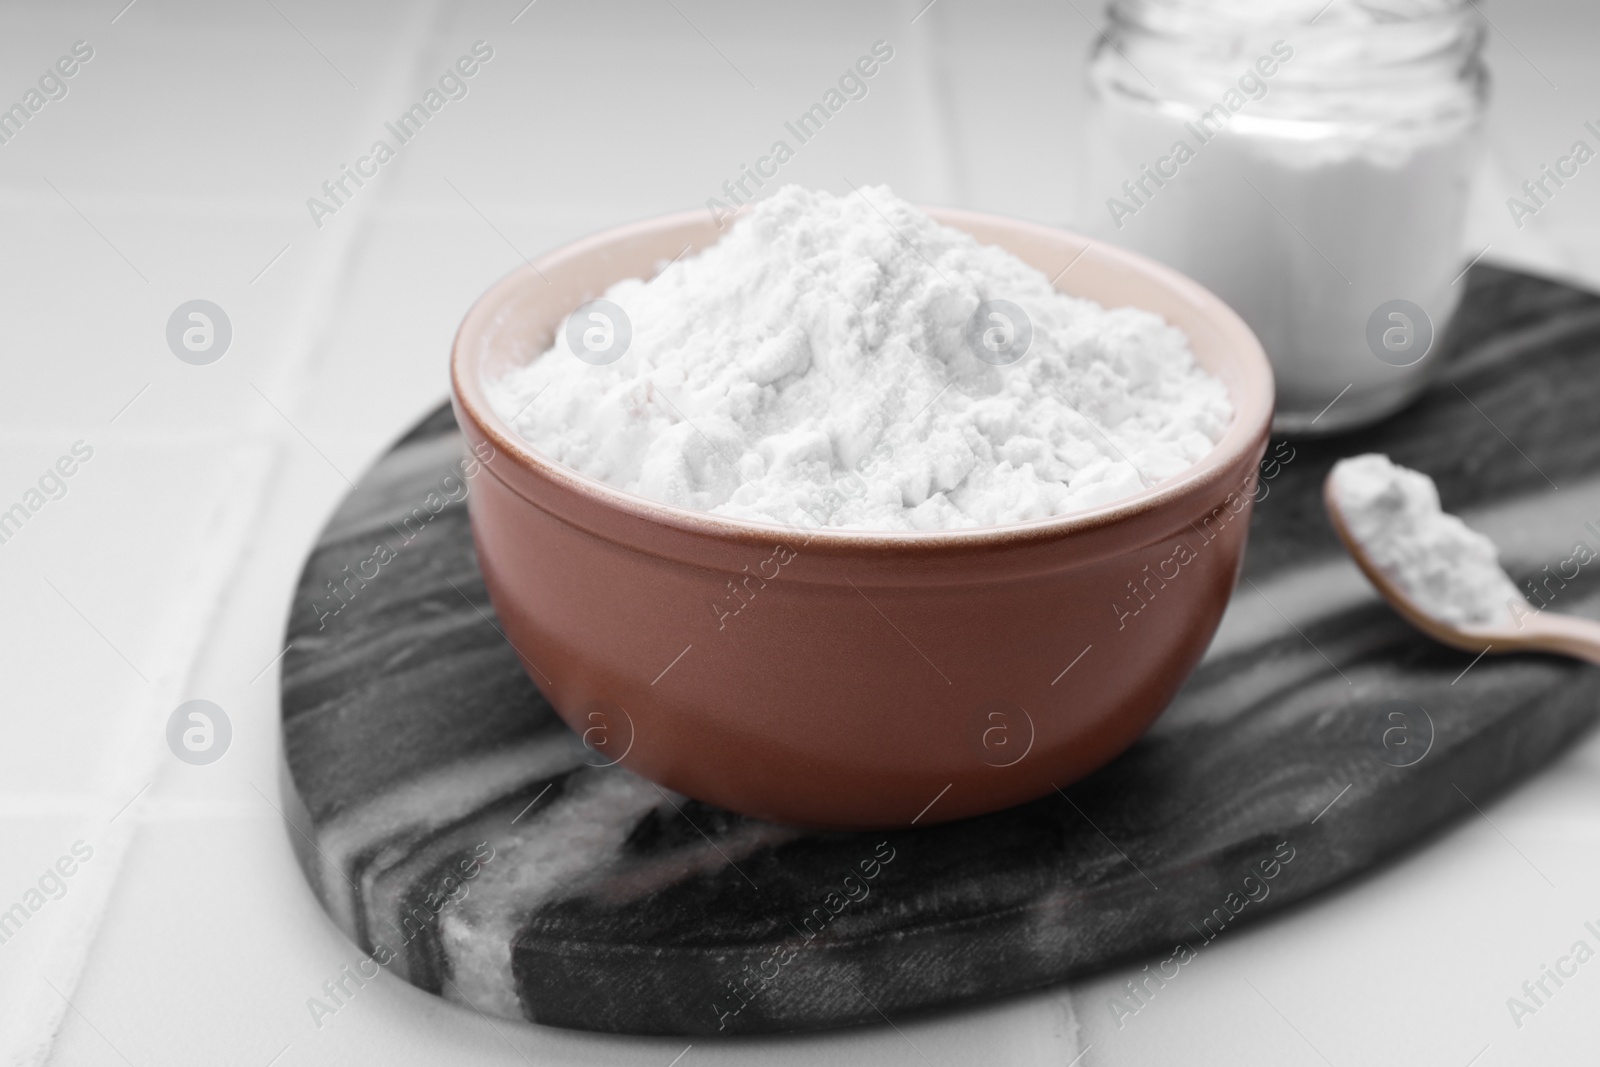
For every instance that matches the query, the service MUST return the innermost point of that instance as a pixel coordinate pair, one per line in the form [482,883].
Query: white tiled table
[178,166]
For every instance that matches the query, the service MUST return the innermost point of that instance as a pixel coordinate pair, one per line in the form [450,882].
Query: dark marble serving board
[419,753]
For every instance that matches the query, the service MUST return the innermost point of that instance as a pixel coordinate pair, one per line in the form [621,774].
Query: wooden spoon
[1537,631]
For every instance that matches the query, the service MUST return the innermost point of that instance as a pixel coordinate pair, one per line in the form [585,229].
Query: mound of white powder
[816,367]
[1450,570]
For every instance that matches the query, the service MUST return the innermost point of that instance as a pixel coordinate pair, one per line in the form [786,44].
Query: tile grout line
[68,956]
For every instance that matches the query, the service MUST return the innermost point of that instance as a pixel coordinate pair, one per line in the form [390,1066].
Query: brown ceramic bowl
[870,679]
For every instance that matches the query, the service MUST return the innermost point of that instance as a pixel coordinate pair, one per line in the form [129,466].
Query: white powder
[1450,570]
[814,368]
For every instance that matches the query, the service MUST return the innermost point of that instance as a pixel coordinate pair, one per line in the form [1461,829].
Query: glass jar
[1309,163]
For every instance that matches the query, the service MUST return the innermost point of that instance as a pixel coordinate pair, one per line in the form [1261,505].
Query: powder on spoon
[1450,570]
[816,367]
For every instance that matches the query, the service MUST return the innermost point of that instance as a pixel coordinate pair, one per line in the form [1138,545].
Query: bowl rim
[1252,402]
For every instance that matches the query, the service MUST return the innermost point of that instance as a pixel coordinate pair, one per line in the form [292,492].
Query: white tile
[1012,86]
[194,102]
[556,129]
[94,333]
